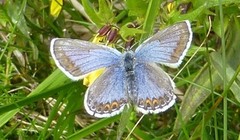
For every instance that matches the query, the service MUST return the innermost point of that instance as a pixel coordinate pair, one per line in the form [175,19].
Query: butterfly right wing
[76,58]
[106,96]
[168,46]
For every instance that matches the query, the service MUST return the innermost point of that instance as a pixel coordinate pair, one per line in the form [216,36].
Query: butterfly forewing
[107,95]
[155,89]
[76,58]
[168,46]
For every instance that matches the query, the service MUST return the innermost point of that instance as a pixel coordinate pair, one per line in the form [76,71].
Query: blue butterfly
[132,77]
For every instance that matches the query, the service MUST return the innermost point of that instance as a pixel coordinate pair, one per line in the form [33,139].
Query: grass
[37,101]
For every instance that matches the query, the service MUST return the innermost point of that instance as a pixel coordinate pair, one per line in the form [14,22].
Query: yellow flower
[56,7]
[87,81]
[170,6]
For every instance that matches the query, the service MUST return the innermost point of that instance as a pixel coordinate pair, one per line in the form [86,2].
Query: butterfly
[131,77]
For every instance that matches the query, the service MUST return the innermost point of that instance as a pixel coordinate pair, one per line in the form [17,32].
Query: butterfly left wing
[107,97]
[76,58]
[155,89]
[168,46]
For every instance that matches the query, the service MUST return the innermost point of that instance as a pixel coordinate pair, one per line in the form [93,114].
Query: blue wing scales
[76,58]
[155,89]
[107,95]
[167,47]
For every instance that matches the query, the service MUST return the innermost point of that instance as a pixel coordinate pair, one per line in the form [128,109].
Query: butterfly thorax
[129,61]
[129,66]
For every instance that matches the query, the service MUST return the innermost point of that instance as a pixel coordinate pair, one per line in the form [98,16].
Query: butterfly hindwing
[107,95]
[155,89]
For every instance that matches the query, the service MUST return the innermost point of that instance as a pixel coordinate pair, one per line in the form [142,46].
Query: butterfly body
[129,74]
[132,77]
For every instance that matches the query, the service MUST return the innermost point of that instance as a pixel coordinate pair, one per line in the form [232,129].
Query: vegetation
[37,101]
